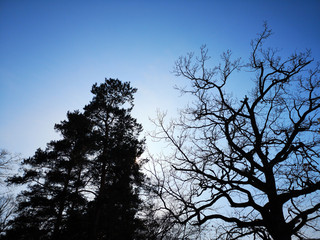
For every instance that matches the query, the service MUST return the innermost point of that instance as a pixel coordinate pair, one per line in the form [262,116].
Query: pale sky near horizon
[52,52]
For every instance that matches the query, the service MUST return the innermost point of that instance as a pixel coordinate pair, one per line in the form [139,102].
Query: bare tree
[160,224]
[249,167]
[6,198]
[6,163]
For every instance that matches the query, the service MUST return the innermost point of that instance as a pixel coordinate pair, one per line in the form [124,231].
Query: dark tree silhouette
[56,178]
[86,185]
[116,175]
[249,165]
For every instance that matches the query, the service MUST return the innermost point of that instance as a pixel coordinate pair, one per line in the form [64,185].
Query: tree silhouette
[86,185]
[7,162]
[116,175]
[56,178]
[249,165]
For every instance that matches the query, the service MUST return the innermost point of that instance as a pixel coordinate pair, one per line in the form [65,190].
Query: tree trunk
[61,206]
[99,203]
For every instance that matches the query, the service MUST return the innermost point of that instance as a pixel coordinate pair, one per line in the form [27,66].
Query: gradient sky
[51,52]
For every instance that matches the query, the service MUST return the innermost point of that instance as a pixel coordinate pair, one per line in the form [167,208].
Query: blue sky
[51,52]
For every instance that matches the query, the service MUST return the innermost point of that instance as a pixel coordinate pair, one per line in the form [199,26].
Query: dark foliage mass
[86,185]
[248,167]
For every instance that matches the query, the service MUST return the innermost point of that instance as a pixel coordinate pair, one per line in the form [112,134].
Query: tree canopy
[250,166]
[86,185]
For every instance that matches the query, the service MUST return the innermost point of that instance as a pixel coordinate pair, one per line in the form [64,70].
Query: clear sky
[51,52]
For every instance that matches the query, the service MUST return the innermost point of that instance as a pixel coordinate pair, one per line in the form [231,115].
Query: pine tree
[115,172]
[86,185]
[56,177]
